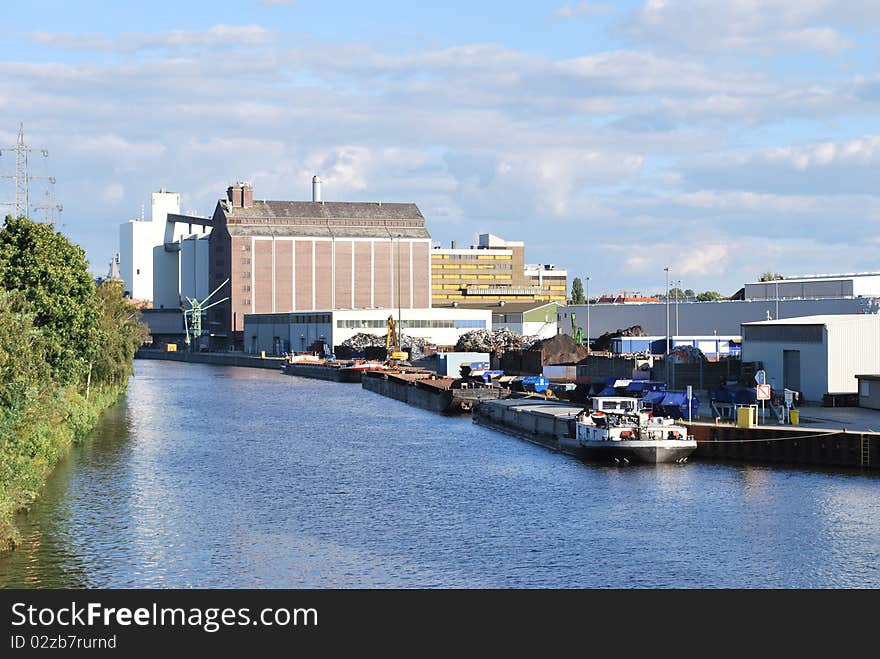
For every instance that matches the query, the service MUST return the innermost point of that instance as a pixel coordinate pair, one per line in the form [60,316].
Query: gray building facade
[705,318]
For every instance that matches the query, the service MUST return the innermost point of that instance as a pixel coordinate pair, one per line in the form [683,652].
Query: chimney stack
[453,244]
[316,188]
[247,195]
[233,194]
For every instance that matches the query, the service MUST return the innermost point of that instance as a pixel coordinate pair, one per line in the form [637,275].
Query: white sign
[761,377]
[763,391]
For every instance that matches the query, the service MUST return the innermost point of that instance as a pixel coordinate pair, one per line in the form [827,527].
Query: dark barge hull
[425,395]
[319,372]
[643,455]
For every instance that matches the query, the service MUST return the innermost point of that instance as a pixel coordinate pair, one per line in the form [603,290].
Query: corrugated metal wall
[702,318]
[854,348]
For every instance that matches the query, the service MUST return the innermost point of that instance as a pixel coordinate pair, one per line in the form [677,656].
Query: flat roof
[876,377]
[519,307]
[826,319]
[821,277]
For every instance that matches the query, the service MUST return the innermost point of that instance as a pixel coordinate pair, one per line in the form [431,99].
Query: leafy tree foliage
[577,291]
[708,296]
[120,333]
[52,274]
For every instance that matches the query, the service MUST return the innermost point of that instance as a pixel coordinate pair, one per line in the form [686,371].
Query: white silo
[316,188]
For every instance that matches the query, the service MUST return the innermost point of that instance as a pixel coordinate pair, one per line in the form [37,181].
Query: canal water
[209,476]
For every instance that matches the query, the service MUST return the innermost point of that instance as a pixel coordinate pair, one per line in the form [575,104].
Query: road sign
[761,377]
[763,391]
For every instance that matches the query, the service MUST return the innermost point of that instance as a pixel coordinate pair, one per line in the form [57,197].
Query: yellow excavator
[392,344]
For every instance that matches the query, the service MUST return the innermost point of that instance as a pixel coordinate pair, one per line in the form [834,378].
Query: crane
[392,343]
[196,308]
[576,332]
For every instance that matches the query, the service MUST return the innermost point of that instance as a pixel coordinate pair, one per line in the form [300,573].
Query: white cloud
[766,27]
[616,146]
[113,193]
[581,9]
[216,35]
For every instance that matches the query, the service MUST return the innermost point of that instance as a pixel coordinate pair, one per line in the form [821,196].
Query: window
[139,271]
[246,261]
[864,388]
[245,275]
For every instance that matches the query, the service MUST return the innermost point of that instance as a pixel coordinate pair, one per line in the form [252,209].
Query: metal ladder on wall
[866,451]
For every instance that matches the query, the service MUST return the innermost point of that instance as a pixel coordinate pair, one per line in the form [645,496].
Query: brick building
[283,256]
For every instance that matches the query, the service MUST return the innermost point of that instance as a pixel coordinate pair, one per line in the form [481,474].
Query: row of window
[312,318]
[373,323]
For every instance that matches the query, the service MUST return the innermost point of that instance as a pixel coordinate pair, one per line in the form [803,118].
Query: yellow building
[490,272]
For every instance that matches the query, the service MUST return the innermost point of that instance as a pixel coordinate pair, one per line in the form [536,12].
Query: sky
[719,138]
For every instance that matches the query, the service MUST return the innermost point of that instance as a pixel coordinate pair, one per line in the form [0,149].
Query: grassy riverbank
[66,351]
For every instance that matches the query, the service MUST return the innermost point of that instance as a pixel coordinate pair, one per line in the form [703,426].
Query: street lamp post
[677,290]
[588,316]
[666,359]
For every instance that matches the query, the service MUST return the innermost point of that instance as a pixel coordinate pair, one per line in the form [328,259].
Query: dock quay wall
[217,358]
[788,445]
[547,422]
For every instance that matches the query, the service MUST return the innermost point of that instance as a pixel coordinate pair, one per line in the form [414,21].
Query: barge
[330,370]
[429,391]
[630,436]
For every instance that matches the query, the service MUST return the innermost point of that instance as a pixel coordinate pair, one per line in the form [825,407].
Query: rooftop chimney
[233,194]
[316,188]
[247,195]
[453,244]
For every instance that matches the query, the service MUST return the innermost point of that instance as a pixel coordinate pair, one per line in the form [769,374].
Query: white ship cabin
[616,404]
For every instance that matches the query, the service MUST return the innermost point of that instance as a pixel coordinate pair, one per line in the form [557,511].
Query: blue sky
[720,138]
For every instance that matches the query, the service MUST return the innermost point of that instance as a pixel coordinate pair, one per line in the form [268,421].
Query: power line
[22,179]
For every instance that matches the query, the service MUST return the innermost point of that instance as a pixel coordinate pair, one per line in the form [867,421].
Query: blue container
[536,383]
[675,405]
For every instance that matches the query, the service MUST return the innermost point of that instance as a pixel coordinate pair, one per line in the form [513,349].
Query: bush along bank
[66,352]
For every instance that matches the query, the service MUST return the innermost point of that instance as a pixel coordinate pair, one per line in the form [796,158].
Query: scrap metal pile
[497,341]
[414,345]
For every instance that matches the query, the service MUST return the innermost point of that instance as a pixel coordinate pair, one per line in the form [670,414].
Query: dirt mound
[560,349]
[603,343]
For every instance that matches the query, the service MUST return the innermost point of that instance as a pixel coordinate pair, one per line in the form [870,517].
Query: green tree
[577,291]
[708,296]
[52,274]
[689,292]
[676,293]
[120,332]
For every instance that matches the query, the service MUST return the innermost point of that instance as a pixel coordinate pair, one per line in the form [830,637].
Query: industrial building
[277,333]
[869,391]
[164,257]
[714,346]
[861,284]
[282,256]
[492,271]
[816,355]
[705,318]
[536,319]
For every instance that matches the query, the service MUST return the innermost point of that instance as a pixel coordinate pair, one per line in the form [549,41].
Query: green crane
[196,308]
[576,332]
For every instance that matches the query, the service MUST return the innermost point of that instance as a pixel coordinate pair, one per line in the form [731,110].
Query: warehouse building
[490,272]
[277,333]
[283,256]
[869,391]
[527,318]
[816,355]
[705,318]
[861,284]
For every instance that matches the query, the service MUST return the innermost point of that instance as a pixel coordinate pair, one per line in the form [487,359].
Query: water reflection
[211,477]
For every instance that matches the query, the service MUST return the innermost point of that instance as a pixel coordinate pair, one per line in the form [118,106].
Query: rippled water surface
[229,477]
